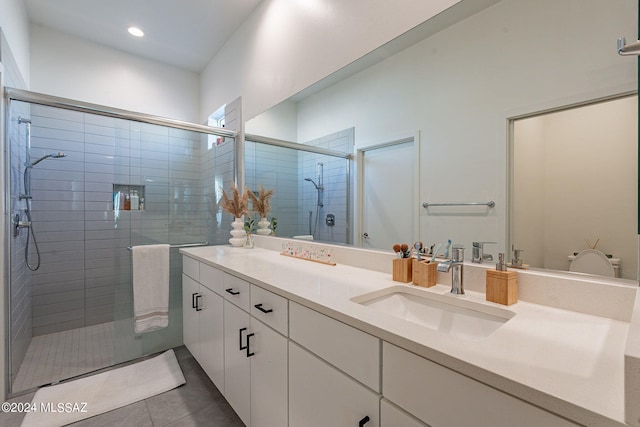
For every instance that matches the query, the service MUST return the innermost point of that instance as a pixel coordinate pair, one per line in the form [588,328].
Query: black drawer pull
[264,310]
[232,292]
[363,421]
[193,299]
[198,300]
[242,347]
[249,353]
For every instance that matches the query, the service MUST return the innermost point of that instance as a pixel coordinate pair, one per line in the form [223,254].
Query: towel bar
[490,203]
[183,245]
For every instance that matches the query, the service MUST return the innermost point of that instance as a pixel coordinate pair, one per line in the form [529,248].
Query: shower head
[23,120]
[48,156]
[313,182]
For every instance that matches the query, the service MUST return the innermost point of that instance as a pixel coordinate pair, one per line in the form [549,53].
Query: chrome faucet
[455,264]
[478,255]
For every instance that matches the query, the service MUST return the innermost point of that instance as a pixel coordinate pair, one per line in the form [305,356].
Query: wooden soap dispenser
[502,285]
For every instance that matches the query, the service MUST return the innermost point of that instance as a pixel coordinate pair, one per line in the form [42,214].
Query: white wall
[14,23]
[279,122]
[69,67]
[459,86]
[287,45]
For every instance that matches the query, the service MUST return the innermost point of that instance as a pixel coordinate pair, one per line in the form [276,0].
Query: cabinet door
[320,395]
[391,416]
[442,397]
[237,366]
[269,398]
[212,336]
[190,328]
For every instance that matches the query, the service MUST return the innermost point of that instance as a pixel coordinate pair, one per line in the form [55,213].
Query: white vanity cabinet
[325,361]
[237,364]
[203,326]
[255,355]
[441,397]
[320,395]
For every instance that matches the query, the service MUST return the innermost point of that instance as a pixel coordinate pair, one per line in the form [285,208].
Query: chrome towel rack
[490,203]
[183,245]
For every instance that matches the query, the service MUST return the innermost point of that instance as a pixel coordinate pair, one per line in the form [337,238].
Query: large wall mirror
[455,91]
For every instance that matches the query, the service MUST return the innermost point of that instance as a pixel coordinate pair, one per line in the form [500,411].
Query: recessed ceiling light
[135,31]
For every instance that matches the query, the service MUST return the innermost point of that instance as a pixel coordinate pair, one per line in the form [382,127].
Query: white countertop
[567,362]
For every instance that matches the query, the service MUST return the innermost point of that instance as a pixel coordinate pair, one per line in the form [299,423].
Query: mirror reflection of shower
[319,185]
[18,224]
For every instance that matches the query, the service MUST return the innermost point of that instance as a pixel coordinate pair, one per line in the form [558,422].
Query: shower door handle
[198,300]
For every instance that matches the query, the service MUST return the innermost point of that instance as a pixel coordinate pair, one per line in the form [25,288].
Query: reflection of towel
[150,287]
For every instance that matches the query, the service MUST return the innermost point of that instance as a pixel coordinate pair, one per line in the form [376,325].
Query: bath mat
[76,400]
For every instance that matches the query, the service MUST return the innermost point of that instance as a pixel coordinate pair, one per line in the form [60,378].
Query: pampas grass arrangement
[236,205]
[261,203]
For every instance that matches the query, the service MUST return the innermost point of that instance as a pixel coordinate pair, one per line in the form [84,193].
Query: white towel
[150,287]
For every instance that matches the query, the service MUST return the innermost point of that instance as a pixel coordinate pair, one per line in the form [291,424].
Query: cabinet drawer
[212,278]
[442,397]
[271,309]
[191,267]
[349,349]
[236,291]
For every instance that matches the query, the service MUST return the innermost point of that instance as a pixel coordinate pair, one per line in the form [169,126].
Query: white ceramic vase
[238,233]
[263,227]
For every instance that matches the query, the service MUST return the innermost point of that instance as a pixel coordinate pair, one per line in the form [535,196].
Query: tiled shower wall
[336,187]
[275,168]
[20,297]
[284,170]
[85,274]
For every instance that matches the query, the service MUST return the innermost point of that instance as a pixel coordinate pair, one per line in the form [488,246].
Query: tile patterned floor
[196,403]
[61,355]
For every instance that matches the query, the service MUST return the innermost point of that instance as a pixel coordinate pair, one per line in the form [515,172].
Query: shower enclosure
[69,166]
[312,183]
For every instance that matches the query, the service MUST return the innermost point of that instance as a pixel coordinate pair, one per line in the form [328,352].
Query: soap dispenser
[502,285]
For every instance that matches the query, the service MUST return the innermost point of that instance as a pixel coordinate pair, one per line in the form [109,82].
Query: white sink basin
[449,314]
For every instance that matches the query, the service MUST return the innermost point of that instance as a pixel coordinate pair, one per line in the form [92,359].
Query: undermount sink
[449,314]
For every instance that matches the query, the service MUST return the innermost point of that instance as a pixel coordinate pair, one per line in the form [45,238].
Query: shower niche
[128,197]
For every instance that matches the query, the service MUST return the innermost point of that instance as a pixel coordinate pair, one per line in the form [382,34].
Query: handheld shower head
[48,156]
[313,182]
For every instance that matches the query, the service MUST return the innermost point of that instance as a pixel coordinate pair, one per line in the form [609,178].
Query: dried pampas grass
[237,205]
[261,203]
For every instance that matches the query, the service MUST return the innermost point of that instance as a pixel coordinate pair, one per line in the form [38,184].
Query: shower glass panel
[75,312]
[311,190]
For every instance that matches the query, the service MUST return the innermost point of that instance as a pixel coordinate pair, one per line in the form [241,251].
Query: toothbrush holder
[424,273]
[402,270]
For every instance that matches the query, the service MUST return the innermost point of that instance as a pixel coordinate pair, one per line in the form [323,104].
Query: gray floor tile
[11,419]
[196,403]
[130,415]
[214,415]
[197,394]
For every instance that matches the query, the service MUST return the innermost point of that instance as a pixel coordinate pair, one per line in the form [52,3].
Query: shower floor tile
[54,357]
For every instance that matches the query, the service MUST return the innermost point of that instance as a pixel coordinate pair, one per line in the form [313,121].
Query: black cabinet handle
[363,421]
[198,307]
[232,292]
[193,299]
[242,347]
[249,353]
[264,310]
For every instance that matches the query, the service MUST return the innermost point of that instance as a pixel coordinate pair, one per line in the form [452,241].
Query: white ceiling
[183,33]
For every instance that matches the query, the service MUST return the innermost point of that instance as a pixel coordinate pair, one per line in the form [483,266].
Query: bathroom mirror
[455,84]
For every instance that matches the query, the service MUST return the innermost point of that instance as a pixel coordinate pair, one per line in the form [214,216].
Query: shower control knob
[365,235]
